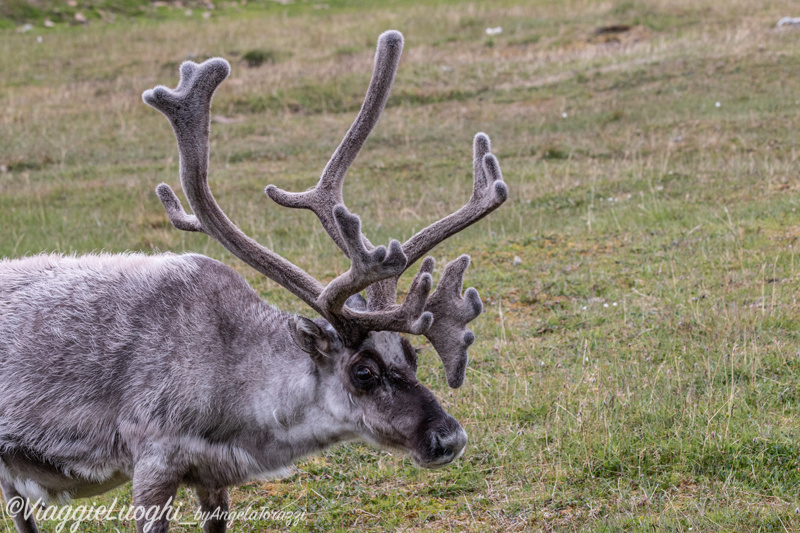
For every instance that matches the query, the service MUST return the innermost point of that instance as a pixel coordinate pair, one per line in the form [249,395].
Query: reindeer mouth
[440,462]
[441,450]
[435,451]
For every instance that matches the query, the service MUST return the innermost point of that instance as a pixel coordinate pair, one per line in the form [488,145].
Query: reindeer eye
[364,374]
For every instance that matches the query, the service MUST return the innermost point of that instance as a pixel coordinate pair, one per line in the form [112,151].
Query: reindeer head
[357,344]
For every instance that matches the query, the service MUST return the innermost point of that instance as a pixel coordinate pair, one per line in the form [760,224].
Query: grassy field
[635,370]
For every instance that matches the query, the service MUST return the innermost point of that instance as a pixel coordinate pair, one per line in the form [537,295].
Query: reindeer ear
[312,339]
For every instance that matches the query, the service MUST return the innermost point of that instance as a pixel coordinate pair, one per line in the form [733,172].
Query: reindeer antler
[188,109]
[322,198]
[442,316]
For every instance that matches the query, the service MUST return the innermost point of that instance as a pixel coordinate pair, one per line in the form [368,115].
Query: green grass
[637,370]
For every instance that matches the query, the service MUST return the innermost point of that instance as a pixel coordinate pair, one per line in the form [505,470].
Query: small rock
[614,28]
[791,21]
[25,28]
[49,23]
[222,119]
[80,17]
[72,3]
[494,31]
[206,14]
[517,260]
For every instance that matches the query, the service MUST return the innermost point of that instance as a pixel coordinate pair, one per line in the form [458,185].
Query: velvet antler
[441,316]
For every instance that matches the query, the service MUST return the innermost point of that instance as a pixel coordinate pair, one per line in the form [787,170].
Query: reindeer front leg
[154,490]
[23,524]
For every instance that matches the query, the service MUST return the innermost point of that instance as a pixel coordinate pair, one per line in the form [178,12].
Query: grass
[637,370]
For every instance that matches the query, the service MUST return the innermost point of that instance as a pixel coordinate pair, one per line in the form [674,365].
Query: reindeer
[169,369]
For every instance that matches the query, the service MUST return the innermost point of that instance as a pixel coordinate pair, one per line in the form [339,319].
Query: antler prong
[409,317]
[367,266]
[323,197]
[449,334]
[294,200]
[179,218]
[489,191]
[417,297]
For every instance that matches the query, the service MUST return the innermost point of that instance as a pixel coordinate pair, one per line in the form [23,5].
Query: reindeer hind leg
[214,507]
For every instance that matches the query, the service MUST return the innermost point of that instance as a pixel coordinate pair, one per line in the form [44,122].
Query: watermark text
[71,517]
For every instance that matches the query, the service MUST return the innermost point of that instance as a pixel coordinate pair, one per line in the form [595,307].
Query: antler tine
[442,317]
[188,108]
[489,191]
[327,194]
[366,266]
[411,316]
[179,218]
[449,334]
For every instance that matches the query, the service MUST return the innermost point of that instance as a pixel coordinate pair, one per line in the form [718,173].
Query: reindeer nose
[448,445]
[452,445]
